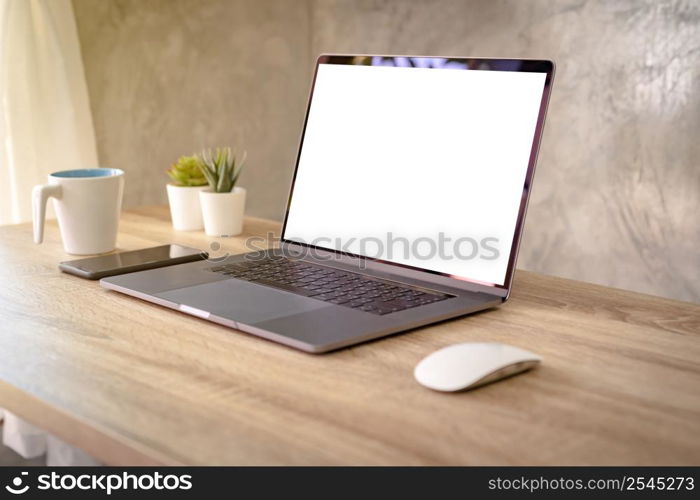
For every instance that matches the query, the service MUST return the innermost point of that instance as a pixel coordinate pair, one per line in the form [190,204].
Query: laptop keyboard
[344,288]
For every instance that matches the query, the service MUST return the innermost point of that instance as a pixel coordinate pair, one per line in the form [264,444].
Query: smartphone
[113,264]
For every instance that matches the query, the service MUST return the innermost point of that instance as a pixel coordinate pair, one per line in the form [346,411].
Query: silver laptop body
[335,295]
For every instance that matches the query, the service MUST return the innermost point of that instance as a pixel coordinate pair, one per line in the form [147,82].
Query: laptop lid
[422,164]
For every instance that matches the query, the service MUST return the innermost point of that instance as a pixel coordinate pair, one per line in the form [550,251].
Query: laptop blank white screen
[418,166]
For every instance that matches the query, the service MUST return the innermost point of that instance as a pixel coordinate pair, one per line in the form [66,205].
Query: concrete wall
[617,191]
[168,78]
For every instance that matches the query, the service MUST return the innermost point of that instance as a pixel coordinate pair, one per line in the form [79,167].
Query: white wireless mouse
[466,366]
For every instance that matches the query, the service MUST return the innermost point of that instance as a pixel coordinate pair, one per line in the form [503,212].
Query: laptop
[406,207]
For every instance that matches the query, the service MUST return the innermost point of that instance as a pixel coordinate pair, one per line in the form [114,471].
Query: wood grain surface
[133,383]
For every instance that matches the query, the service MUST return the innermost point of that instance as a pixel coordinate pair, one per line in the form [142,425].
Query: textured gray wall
[168,78]
[617,192]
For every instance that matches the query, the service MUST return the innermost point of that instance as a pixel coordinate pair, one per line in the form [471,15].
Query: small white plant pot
[185,208]
[223,212]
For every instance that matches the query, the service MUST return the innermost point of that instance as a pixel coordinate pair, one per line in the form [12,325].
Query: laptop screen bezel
[472,64]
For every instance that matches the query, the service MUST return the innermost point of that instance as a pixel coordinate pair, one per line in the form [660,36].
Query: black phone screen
[114,261]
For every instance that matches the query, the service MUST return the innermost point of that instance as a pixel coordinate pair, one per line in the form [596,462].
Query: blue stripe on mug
[87,172]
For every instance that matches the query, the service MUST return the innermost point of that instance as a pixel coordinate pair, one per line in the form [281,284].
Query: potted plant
[223,203]
[183,193]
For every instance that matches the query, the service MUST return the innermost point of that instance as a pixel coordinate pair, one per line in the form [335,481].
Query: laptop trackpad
[242,301]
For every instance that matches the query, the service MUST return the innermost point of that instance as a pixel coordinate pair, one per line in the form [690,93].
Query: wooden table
[133,383]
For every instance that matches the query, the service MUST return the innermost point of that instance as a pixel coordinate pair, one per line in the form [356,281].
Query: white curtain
[45,120]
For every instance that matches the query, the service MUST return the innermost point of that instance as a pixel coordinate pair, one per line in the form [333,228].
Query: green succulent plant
[221,168]
[187,171]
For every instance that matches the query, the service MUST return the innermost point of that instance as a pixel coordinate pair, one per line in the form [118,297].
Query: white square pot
[185,208]
[223,212]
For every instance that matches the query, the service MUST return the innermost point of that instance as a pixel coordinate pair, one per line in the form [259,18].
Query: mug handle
[40,194]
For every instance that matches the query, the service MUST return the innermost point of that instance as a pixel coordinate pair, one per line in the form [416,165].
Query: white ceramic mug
[87,203]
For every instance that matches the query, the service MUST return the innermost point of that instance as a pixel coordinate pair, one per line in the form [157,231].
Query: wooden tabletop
[133,383]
